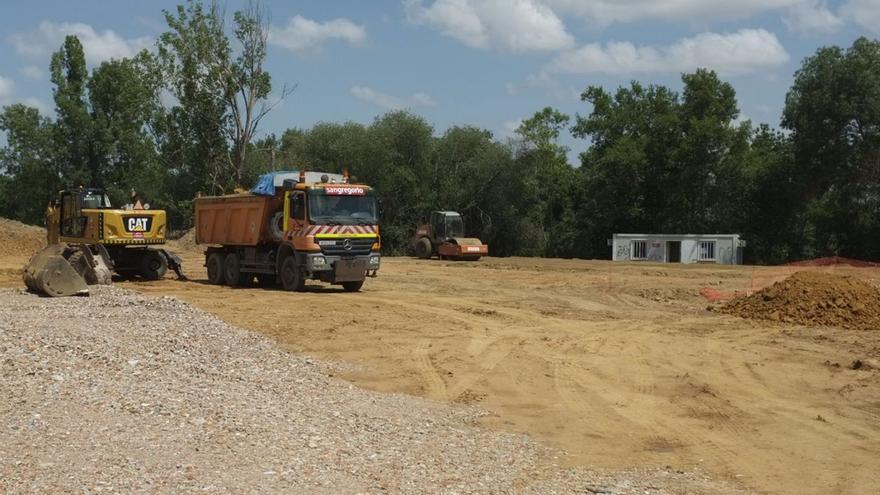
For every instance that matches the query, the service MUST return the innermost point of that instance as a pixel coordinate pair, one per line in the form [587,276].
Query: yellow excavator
[89,240]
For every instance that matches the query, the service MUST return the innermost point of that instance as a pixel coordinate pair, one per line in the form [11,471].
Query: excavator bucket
[67,270]
[48,272]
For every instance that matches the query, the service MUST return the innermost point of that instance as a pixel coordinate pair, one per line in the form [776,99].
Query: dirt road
[619,365]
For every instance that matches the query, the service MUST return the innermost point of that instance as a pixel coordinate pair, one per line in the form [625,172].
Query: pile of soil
[19,239]
[834,261]
[813,299]
[185,242]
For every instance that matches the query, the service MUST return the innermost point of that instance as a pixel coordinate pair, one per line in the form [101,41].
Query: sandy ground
[619,365]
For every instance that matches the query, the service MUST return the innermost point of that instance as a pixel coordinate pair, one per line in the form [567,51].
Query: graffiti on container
[622,252]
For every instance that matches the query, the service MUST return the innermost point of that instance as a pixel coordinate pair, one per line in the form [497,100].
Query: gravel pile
[118,392]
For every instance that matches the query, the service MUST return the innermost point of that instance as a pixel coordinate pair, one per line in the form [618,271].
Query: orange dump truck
[292,227]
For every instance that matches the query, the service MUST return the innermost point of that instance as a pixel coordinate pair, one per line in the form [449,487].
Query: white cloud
[511,126]
[745,51]
[7,92]
[39,104]
[423,99]
[865,13]
[390,102]
[31,72]
[302,35]
[98,46]
[7,87]
[605,12]
[812,17]
[516,26]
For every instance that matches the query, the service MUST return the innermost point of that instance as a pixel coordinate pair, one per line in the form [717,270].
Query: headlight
[374,261]
[318,261]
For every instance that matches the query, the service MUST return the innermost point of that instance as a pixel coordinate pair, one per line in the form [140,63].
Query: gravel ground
[119,392]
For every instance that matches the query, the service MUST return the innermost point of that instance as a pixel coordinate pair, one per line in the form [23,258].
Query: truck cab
[333,229]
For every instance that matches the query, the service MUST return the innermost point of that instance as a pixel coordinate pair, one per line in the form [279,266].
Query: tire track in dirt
[435,386]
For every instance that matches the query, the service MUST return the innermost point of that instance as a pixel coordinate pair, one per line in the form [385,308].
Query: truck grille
[349,247]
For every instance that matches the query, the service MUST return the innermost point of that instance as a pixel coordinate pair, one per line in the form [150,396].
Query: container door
[673,251]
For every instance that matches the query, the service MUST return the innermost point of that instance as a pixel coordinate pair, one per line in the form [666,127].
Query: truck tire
[352,286]
[423,248]
[232,274]
[214,265]
[153,265]
[291,275]
[276,226]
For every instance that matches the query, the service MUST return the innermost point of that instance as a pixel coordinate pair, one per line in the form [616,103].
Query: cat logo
[138,224]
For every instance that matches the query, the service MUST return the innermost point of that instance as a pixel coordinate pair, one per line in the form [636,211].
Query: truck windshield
[343,210]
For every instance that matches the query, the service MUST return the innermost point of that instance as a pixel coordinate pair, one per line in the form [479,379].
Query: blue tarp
[265,185]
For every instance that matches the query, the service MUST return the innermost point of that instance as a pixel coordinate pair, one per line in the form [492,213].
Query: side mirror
[380,206]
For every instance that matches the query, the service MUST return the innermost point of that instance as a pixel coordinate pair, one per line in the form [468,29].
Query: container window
[639,250]
[707,250]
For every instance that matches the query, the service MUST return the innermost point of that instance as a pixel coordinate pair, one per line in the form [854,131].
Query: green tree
[833,113]
[398,161]
[29,166]
[73,125]
[548,181]
[124,105]
[659,161]
[222,90]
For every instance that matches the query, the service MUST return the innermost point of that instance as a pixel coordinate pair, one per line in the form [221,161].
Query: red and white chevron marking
[338,229]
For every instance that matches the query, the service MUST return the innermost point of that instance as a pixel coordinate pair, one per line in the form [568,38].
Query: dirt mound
[813,298]
[834,261]
[185,242]
[18,239]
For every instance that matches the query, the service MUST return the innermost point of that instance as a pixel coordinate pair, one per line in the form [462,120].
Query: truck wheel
[352,286]
[153,265]
[291,275]
[232,271]
[423,248]
[215,268]
[276,226]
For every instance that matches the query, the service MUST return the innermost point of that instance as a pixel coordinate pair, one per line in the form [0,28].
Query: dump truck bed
[234,220]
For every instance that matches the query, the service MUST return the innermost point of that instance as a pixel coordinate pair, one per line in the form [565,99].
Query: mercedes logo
[346,244]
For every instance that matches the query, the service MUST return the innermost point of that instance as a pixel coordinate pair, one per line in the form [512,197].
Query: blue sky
[487,63]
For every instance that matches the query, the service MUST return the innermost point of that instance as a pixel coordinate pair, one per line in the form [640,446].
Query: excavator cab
[71,222]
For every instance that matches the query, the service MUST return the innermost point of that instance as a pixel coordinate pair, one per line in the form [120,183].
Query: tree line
[183,119]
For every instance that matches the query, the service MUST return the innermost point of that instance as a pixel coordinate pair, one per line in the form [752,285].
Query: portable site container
[722,249]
